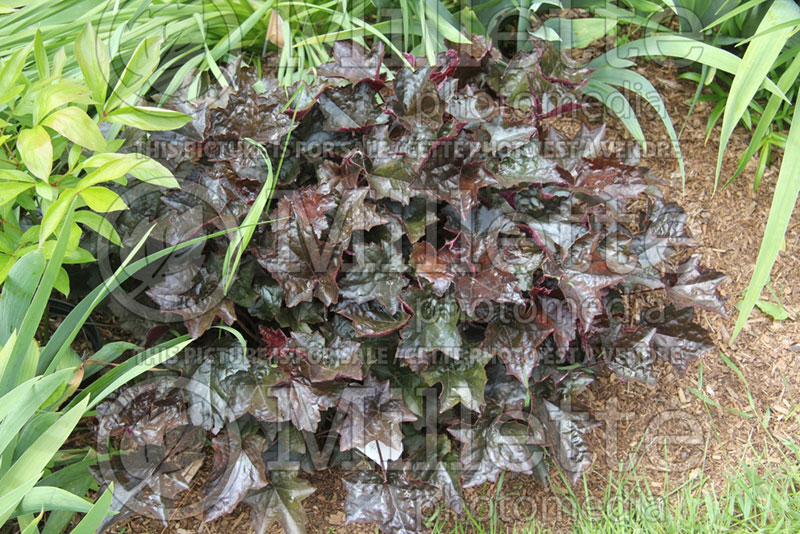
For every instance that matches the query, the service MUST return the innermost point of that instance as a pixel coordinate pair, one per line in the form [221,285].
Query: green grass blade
[241,238]
[753,70]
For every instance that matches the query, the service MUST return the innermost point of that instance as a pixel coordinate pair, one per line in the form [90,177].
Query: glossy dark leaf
[696,286]
[677,339]
[355,64]
[280,502]
[396,504]
[432,328]
[526,165]
[462,380]
[235,473]
[372,425]
[516,343]
[328,361]
[628,354]
[427,265]
[495,443]
[377,275]
[371,319]
[566,430]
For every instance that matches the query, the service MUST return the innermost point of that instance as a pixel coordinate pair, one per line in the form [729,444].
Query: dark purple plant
[441,271]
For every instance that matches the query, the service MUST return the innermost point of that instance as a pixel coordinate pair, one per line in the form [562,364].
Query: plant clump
[439,273]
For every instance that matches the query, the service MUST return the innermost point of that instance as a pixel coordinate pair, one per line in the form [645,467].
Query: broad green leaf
[26,343]
[56,95]
[12,175]
[147,170]
[102,199]
[40,53]
[786,80]
[130,369]
[22,402]
[619,105]
[11,70]
[18,291]
[31,527]
[140,67]
[36,151]
[92,56]
[112,170]
[780,212]
[149,118]
[9,191]
[756,64]
[74,124]
[55,214]
[243,235]
[641,86]
[99,224]
[776,311]
[11,498]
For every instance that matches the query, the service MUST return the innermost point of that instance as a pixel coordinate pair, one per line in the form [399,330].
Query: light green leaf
[40,53]
[55,214]
[11,175]
[776,311]
[9,191]
[580,33]
[74,124]
[99,224]
[676,46]
[41,452]
[102,199]
[149,118]
[93,59]
[113,169]
[36,151]
[11,70]
[140,67]
[56,95]
[49,499]
[147,170]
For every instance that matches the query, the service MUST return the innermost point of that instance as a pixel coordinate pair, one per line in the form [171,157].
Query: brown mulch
[666,427]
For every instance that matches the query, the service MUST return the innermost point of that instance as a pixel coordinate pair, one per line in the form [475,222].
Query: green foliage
[53,156]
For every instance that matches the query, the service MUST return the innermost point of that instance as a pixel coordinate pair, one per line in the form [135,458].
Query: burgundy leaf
[396,504]
[696,286]
[372,425]
[516,343]
[433,328]
[281,502]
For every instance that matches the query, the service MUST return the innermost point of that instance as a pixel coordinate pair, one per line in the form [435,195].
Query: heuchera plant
[441,272]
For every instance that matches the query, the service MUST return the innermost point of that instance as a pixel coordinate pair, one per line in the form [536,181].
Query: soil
[667,429]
